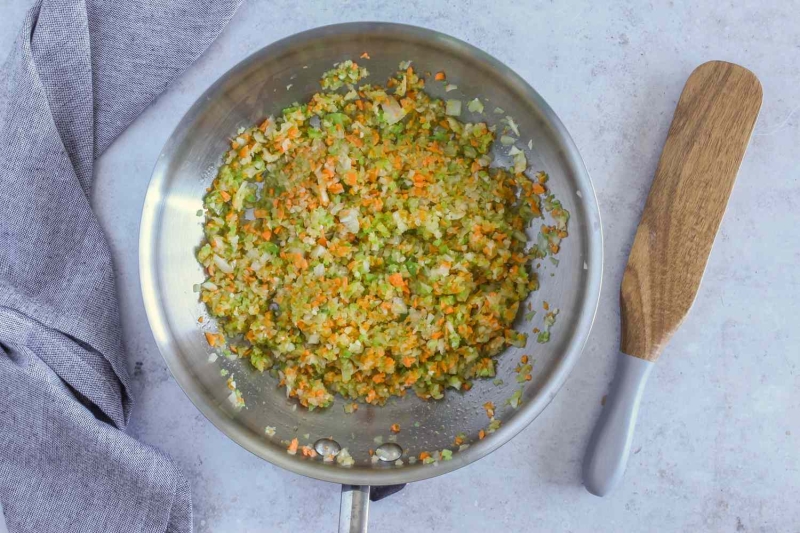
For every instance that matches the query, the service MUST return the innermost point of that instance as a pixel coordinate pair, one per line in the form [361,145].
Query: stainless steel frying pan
[269,80]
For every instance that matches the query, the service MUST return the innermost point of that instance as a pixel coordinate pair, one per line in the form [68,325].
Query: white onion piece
[223,265]
[392,110]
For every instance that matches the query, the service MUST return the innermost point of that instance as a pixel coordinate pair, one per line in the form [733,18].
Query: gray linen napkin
[79,73]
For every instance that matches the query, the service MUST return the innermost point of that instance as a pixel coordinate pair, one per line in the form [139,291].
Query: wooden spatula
[705,146]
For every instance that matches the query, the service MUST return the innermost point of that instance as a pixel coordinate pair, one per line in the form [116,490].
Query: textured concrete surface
[717,444]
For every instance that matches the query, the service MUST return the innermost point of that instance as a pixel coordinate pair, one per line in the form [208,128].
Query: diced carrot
[395,428]
[308,451]
[481,434]
[439,76]
[292,449]
[364,56]
[351,177]
[211,339]
[300,261]
[396,280]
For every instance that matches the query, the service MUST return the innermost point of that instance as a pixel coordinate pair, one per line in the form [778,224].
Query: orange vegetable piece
[300,261]
[292,446]
[308,451]
[439,76]
[351,178]
[211,339]
[396,280]
[395,428]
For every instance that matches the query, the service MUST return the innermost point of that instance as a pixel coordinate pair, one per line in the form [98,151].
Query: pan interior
[262,85]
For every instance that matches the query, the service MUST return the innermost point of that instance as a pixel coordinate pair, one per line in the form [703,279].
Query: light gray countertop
[718,442]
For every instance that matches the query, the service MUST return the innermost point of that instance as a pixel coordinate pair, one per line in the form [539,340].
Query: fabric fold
[79,73]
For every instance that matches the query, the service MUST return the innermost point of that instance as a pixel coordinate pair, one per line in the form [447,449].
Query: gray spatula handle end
[610,444]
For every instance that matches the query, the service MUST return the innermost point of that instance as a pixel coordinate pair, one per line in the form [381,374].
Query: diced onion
[392,110]
[349,218]
[453,108]
[223,265]
[520,162]
[513,125]
[475,106]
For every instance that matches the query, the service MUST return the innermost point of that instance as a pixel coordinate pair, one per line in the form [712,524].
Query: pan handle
[354,510]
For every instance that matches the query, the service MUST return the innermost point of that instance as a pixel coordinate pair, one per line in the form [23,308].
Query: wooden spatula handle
[704,149]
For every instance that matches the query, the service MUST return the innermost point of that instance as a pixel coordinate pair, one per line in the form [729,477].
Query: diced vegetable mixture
[360,243]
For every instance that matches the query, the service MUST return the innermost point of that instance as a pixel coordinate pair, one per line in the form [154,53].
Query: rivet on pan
[327,447]
[389,452]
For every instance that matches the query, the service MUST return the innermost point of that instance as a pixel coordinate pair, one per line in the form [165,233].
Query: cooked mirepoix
[360,244]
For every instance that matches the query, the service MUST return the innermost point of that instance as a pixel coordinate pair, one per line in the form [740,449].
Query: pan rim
[581,326]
